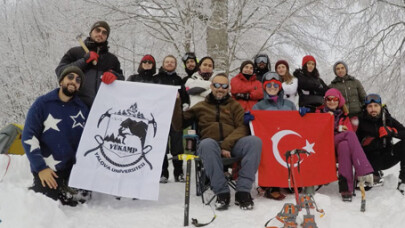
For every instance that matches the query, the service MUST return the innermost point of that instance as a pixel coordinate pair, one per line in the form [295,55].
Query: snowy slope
[22,208]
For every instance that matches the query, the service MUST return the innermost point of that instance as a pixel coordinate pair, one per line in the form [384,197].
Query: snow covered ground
[22,208]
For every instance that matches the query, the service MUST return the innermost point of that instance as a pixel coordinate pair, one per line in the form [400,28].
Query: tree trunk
[217,35]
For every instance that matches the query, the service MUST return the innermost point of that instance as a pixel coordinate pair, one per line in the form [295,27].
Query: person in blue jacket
[51,135]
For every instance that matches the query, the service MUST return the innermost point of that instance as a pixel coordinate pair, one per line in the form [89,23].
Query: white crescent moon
[276,139]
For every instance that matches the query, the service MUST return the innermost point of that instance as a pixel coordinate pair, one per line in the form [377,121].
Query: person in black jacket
[167,75]
[98,64]
[376,139]
[146,70]
[190,65]
[262,65]
[311,88]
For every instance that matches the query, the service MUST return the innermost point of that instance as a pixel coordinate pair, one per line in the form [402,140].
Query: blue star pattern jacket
[52,131]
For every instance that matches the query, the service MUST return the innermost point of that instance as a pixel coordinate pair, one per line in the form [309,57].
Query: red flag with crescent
[282,131]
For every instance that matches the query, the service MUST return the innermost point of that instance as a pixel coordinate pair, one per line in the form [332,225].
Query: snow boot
[179,178]
[346,196]
[223,200]
[244,200]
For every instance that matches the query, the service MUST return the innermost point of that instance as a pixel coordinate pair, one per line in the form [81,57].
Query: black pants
[388,157]
[55,194]
[175,146]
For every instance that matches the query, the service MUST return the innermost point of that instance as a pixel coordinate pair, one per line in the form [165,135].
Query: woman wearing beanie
[274,101]
[290,83]
[146,70]
[351,88]
[245,88]
[349,152]
[198,86]
[311,88]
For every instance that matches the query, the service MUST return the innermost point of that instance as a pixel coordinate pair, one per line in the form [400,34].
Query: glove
[304,110]
[185,107]
[387,132]
[366,179]
[91,56]
[366,141]
[242,96]
[248,117]
[108,77]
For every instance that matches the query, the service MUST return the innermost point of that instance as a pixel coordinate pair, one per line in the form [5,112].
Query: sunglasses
[372,98]
[188,56]
[261,59]
[335,99]
[219,85]
[104,32]
[147,61]
[271,84]
[72,76]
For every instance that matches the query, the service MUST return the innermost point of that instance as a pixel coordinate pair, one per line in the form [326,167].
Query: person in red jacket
[245,88]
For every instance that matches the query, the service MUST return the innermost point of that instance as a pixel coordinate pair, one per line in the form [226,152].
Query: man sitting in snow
[376,139]
[52,133]
[220,121]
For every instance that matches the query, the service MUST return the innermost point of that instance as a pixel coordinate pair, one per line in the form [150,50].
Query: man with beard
[376,131]
[52,133]
[190,65]
[222,132]
[262,65]
[98,64]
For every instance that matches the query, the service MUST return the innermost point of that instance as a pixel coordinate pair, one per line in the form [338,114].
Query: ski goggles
[188,56]
[219,85]
[335,99]
[372,98]
[71,77]
[261,59]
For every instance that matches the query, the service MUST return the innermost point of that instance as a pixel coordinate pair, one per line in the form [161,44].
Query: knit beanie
[244,63]
[72,69]
[101,24]
[337,63]
[282,62]
[336,93]
[148,58]
[308,58]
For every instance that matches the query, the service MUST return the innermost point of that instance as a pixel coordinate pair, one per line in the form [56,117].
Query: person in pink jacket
[245,88]
[349,152]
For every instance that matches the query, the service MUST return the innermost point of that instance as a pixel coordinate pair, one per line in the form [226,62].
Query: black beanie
[72,69]
[101,24]
[244,63]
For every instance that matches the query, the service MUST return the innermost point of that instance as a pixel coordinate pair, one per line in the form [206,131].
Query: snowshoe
[244,200]
[223,200]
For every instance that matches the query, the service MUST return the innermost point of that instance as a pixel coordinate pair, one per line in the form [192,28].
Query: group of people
[220,107]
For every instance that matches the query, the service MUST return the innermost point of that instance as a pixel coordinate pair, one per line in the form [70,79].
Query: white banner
[123,143]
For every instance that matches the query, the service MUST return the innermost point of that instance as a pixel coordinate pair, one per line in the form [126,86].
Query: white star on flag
[309,147]
[33,142]
[77,123]
[51,162]
[51,123]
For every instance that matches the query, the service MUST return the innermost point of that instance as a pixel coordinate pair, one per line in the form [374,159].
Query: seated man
[376,139]
[223,134]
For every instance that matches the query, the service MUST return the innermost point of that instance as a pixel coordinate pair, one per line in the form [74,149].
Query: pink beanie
[336,93]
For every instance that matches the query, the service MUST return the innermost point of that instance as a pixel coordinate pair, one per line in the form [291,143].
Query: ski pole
[363,197]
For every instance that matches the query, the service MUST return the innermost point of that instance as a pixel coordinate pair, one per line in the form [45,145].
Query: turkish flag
[282,131]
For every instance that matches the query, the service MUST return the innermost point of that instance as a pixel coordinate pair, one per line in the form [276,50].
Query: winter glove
[304,110]
[242,96]
[387,132]
[366,179]
[185,107]
[91,56]
[108,77]
[248,117]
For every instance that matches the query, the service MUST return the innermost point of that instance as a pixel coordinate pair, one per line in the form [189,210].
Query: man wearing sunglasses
[376,131]
[222,132]
[51,136]
[262,65]
[98,64]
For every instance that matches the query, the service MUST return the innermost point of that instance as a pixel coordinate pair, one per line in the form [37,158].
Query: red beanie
[282,62]
[336,93]
[148,57]
[308,58]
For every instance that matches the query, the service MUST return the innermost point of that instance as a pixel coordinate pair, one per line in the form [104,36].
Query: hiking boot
[274,193]
[346,196]
[401,187]
[163,180]
[222,202]
[244,200]
[378,180]
[179,178]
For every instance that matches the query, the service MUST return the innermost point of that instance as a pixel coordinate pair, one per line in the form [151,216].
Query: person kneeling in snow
[376,130]
[51,136]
